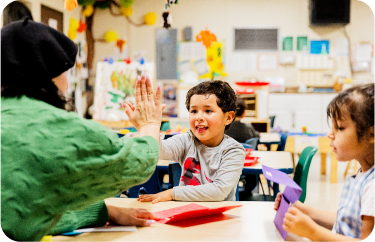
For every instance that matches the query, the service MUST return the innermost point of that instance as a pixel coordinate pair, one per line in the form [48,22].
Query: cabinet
[251,104]
[294,111]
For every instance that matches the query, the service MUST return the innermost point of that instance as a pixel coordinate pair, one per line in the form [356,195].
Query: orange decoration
[70,4]
[206,37]
[120,43]
[82,27]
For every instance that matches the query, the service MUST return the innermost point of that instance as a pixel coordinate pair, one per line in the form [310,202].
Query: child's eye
[193,111]
[208,111]
[340,128]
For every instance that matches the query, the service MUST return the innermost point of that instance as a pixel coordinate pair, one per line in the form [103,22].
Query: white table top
[269,137]
[251,222]
[273,159]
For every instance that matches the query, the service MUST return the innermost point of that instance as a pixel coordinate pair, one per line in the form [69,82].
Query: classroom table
[280,160]
[269,139]
[251,222]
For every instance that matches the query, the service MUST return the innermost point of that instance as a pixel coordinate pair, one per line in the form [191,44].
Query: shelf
[249,101]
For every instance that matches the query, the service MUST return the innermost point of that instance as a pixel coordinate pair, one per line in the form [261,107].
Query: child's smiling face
[207,120]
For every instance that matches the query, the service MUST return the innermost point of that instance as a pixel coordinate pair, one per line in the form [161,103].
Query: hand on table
[147,110]
[298,223]
[130,216]
[158,197]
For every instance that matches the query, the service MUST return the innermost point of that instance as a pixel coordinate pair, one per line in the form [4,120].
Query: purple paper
[291,194]
[278,221]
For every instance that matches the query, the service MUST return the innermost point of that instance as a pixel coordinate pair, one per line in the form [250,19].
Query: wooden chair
[290,147]
[354,168]
[324,148]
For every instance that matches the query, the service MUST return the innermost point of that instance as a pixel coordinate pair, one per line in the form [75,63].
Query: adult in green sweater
[57,168]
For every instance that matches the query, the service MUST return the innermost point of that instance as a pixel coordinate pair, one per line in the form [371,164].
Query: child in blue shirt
[352,137]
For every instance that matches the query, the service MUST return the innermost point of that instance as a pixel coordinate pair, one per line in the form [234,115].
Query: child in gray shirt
[211,161]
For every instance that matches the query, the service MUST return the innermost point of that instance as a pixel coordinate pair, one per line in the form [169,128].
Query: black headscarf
[31,55]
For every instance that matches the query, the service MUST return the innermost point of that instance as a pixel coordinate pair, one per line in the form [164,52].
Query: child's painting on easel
[170,99]
[115,83]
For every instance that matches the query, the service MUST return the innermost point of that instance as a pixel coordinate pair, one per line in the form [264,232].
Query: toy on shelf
[304,131]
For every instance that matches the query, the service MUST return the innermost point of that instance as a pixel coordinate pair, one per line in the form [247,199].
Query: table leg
[333,168]
[323,159]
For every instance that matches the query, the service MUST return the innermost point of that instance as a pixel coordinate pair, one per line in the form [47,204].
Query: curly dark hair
[358,102]
[225,95]
[240,107]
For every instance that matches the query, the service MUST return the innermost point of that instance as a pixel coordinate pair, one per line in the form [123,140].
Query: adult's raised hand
[147,113]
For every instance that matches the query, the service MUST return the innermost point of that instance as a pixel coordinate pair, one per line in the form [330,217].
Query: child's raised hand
[147,110]
[296,222]
[278,200]
[158,197]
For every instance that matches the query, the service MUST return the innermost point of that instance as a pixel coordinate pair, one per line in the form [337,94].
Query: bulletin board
[169,98]
[115,83]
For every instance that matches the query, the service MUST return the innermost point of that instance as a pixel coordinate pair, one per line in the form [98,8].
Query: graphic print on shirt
[208,179]
[191,167]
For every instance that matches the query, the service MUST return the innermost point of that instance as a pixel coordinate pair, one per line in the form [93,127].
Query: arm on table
[227,177]
[98,214]
[323,218]
[299,223]
[94,215]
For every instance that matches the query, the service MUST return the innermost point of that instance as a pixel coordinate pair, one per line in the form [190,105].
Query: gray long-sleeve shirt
[208,173]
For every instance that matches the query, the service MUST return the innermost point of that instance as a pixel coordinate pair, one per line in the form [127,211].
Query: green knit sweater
[54,162]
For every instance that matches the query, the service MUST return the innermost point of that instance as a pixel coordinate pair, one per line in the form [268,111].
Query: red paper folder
[189,211]
[250,160]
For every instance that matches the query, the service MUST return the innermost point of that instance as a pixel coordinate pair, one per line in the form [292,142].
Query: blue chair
[253,142]
[247,146]
[283,138]
[152,186]
[174,170]
[247,180]
[272,121]
[237,193]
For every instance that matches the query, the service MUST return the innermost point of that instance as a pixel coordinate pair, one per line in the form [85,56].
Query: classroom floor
[320,192]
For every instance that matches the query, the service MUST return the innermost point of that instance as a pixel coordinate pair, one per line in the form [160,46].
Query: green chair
[302,169]
[165,126]
[300,175]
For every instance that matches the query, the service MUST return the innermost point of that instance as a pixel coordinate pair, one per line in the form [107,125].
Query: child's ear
[229,116]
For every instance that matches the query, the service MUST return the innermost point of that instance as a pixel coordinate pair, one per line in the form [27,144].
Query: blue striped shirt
[348,219]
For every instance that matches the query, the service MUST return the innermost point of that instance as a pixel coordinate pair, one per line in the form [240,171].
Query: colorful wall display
[115,83]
